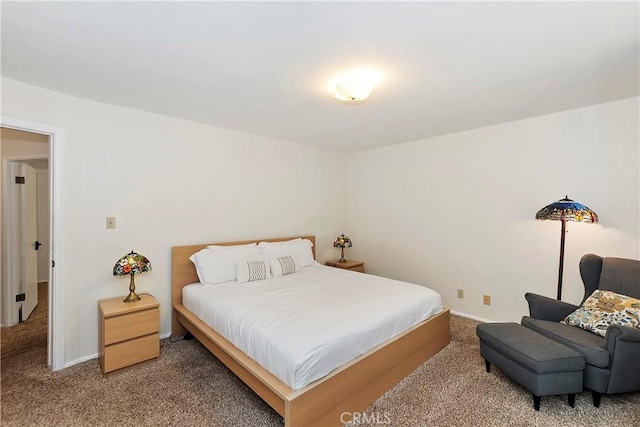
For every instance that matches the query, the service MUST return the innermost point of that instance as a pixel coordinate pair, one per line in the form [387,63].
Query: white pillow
[299,249]
[217,266]
[284,242]
[250,271]
[231,246]
[282,266]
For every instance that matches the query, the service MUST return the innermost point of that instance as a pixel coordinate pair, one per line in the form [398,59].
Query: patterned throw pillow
[286,265]
[605,308]
[250,271]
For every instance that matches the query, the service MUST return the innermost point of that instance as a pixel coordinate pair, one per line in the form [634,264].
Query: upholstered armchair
[613,361]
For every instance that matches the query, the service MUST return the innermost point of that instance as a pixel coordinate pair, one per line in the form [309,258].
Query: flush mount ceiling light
[355,85]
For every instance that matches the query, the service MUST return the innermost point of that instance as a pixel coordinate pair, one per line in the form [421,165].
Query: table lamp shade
[131,264]
[342,242]
[566,210]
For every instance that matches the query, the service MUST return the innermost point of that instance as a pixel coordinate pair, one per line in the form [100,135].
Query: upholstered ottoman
[542,366]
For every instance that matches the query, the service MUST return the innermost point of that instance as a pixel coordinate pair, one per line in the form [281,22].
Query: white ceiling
[263,67]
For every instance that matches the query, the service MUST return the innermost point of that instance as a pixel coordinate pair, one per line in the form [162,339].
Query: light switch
[111,222]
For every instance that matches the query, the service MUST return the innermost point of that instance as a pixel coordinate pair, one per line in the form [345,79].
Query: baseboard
[471,316]
[82,359]
[95,356]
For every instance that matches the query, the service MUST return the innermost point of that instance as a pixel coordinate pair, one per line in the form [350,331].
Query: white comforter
[302,326]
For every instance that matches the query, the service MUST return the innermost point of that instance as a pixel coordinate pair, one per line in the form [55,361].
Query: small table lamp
[342,242]
[131,264]
[566,210]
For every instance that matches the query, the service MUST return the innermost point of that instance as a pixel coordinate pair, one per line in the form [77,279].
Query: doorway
[53,298]
[25,242]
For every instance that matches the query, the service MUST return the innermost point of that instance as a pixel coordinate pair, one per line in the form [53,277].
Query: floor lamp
[566,210]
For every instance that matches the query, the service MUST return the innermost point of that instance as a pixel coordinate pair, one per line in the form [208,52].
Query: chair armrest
[623,344]
[617,333]
[544,308]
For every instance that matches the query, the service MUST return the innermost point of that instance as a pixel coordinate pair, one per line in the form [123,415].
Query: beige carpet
[189,387]
[30,334]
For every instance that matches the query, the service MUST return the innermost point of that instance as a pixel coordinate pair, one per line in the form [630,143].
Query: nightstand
[349,265]
[129,333]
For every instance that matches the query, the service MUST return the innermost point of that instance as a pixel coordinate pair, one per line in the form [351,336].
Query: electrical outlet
[460,293]
[111,222]
[486,299]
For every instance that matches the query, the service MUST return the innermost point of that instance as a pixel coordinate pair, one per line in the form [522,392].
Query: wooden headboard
[183,272]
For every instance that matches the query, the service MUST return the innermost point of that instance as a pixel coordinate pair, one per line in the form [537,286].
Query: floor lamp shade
[566,210]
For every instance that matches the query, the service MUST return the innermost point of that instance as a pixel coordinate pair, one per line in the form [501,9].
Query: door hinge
[53,263]
[19,179]
[20,297]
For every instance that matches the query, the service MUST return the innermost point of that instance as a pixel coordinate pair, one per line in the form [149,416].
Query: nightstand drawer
[359,269]
[127,353]
[131,325]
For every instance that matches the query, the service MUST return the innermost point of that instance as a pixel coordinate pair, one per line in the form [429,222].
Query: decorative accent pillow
[605,308]
[250,271]
[283,265]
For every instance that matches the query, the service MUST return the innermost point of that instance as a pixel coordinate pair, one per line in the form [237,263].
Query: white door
[30,236]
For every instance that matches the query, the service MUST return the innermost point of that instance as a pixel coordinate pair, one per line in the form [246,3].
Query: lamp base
[132,297]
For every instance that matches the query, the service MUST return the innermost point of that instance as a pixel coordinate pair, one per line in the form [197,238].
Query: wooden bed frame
[333,399]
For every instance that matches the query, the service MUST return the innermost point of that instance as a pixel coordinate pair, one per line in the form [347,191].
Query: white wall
[457,211]
[168,182]
[448,212]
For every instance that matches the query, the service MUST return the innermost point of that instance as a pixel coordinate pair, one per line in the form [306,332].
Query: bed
[330,400]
